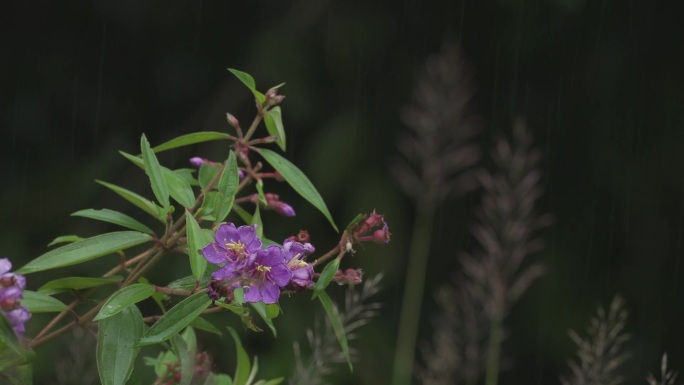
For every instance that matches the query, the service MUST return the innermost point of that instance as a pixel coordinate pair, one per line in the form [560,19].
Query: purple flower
[265,275]
[197,161]
[302,272]
[11,292]
[233,248]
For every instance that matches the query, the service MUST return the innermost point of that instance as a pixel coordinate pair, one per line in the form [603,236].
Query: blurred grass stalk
[437,157]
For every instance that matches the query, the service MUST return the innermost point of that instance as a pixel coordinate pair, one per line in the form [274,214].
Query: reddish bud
[349,276]
[232,120]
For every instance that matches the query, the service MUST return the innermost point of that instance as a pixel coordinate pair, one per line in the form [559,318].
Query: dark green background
[600,84]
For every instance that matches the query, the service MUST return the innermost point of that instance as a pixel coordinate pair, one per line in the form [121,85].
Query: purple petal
[5,265]
[280,275]
[270,256]
[228,272]
[270,292]
[215,254]
[252,294]
[226,233]
[248,236]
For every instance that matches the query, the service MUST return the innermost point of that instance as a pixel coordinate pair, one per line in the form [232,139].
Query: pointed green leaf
[76,283]
[178,185]
[41,303]
[65,239]
[12,353]
[144,204]
[260,308]
[336,323]
[256,220]
[226,187]
[115,217]
[116,349]
[242,213]
[242,312]
[274,125]
[248,81]
[299,182]
[198,263]
[179,188]
[327,275]
[124,298]
[85,250]
[186,357]
[190,283]
[274,381]
[243,366]
[207,173]
[153,170]
[202,324]
[188,139]
[176,319]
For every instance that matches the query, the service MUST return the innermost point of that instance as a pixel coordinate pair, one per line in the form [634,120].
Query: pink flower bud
[197,161]
[232,120]
[349,276]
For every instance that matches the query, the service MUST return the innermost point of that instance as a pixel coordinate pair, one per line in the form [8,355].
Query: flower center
[263,269]
[295,264]
[237,248]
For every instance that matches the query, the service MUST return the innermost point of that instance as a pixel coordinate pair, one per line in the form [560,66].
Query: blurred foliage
[599,83]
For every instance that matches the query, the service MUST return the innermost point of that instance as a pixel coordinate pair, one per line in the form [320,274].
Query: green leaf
[274,381]
[243,366]
[207,173]
[65,239]
[272,310]
[188,139]
[116,349]
[41,303]
[186,357]
[85,250]
[242,213]
[256,220]
[115,217]
[241,312]
[326,275]
[299,182]
[358,218]
[227,187]
[179,186]
[189,282]
[336,323]
[198,264]
[76,283]
[153,170]
[12,353]
[144,204]
[202,324]
[124,298]
[176,319]
[260,308]
[218,379]
[248,81]
[274,124]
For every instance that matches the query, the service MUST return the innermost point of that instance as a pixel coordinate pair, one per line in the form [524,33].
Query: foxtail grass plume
[602,354]
[325,350]
[468,330]
[667,376]
[438,151]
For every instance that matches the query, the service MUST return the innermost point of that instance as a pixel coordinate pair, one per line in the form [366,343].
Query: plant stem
[493,351]
[413,296]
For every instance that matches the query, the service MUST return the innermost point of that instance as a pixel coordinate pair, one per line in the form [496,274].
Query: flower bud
[349,276]
[197,161]
[232,120]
